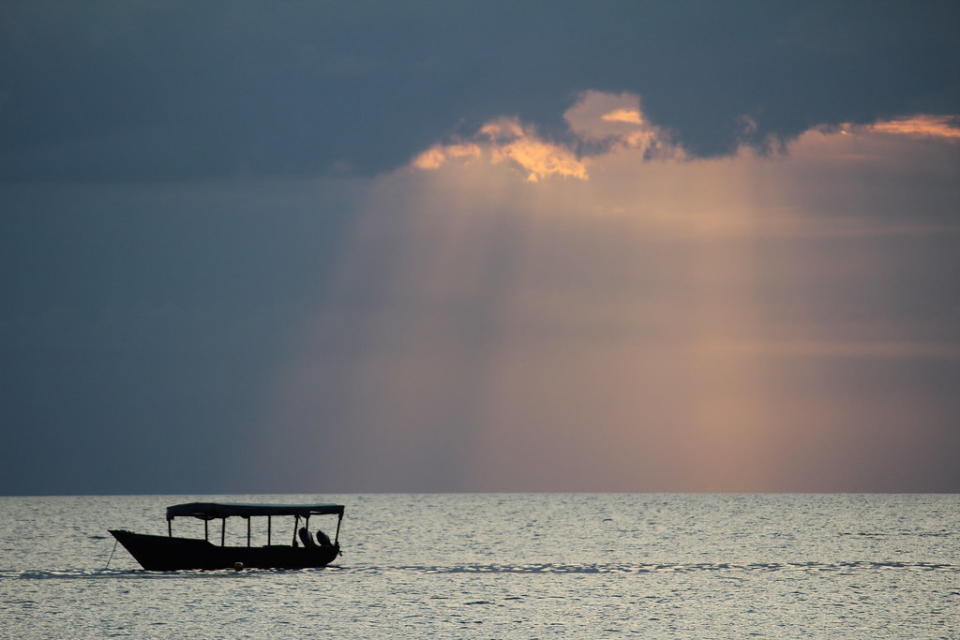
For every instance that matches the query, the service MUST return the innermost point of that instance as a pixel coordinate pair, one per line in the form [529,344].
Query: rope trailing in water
[115,541]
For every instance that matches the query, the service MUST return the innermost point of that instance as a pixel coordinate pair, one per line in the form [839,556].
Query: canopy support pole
[206,529]
[296,524]
[336,537]
[170,528]
[269,523]
[248,531]
[223,530]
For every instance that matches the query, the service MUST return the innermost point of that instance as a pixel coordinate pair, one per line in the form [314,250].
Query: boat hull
[166,553]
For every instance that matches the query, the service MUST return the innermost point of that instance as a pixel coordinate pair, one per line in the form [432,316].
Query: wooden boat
[170,553]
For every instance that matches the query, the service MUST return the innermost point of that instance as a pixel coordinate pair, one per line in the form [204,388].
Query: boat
[172,553]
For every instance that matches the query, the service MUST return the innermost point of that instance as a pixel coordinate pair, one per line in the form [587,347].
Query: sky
[479,246]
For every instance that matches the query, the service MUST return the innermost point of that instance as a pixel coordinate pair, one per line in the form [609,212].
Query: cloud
[599,123]
[139,92]
[631,116]
[605,122]
[438,155]
[923,126]
[506,140]
[541,159]
[609,133]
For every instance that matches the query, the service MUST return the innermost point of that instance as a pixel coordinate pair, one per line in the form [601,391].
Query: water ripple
[529,568]
[107,574]
[651,568]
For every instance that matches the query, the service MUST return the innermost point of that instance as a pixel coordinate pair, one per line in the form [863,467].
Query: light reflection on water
[507,566]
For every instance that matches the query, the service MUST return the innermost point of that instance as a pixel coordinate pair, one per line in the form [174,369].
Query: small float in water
[171,553]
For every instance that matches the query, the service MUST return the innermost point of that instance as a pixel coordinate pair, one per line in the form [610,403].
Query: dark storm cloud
[154,91]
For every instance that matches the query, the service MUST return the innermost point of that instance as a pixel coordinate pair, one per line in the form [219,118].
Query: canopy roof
[211,510]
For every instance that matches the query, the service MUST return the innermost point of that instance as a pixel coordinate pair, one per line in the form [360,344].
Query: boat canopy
[211,510]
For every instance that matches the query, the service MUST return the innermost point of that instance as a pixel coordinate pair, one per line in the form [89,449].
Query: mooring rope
[115,541]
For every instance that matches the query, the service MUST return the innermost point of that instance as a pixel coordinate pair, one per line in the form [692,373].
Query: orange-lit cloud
[436,156]
[506,140]
[617,123]
[509,141]
[631,116]
[925,126]
[614,121]
[612,130]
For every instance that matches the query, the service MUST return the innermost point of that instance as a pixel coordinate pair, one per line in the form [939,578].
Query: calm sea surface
[580,566]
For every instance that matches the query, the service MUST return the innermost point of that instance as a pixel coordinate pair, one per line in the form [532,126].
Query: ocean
[575,566]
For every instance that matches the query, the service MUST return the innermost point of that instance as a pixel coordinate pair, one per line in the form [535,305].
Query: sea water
[578,566]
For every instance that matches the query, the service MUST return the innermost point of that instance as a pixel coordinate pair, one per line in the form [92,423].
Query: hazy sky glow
[739,323]
[269,275]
